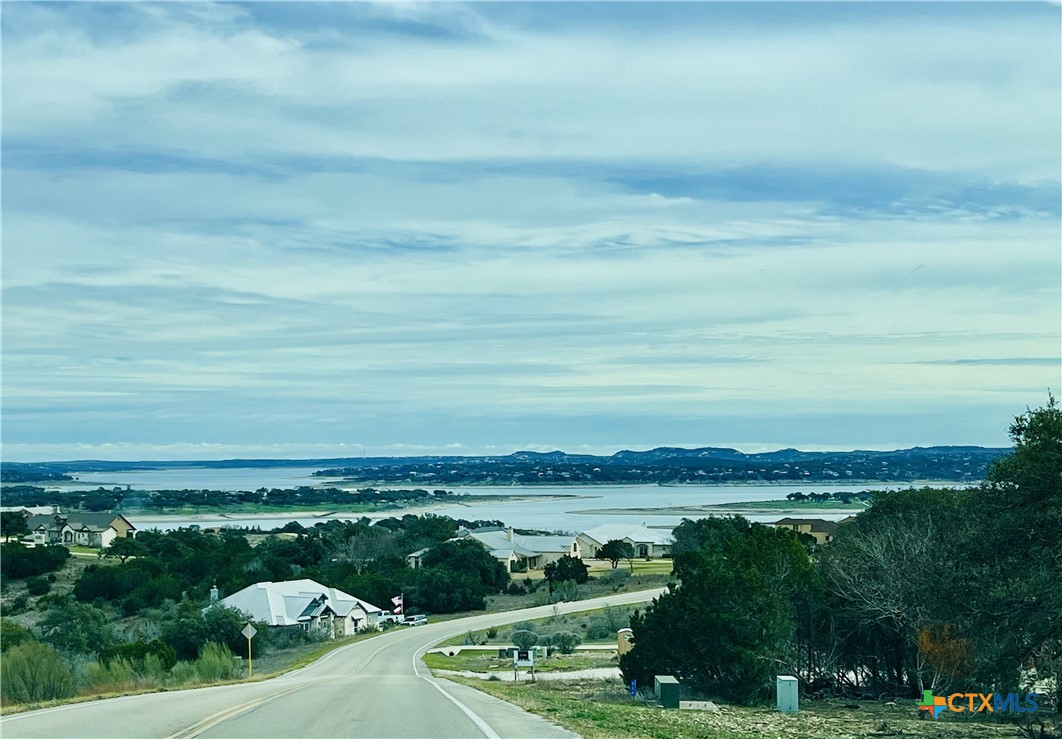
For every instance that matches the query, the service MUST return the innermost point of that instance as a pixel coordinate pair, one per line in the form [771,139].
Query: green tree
[726,628]
[17,560]
[76,627]
[125,547]
[13,523]
[615,550]
[470,558]
[565,568]
[13,634]
[1016,556]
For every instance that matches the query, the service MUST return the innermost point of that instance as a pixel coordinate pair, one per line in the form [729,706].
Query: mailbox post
[523,658]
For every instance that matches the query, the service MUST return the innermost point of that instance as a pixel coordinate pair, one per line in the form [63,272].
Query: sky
[316,230]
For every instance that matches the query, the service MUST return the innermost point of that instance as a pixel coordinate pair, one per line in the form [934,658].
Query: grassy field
[599,708]
[491,662]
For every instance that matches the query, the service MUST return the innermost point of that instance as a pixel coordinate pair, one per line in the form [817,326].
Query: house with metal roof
[521,552]
[646,542]
[304,603]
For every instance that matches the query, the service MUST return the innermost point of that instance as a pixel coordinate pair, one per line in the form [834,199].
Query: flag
[397,600]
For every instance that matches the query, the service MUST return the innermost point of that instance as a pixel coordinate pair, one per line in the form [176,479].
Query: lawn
[477,661]
[603,708]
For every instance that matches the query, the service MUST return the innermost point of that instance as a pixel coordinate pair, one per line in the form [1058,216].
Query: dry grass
[598,708]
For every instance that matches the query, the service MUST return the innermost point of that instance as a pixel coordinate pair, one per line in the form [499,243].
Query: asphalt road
[375,688]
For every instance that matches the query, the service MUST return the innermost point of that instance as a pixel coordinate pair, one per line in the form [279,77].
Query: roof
[497,540]
[637,533]
[78,521]
[816,524]
[293,602]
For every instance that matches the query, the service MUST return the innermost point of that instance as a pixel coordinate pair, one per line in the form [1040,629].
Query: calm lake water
[549,514]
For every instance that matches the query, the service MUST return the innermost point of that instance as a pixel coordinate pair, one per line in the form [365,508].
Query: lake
[549,514]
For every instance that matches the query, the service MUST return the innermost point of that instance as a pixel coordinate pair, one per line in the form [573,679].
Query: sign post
[249,631]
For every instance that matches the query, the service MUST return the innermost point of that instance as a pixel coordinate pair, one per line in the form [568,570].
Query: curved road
[374,688]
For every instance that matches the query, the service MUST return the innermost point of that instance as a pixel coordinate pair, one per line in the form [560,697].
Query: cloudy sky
[299,230]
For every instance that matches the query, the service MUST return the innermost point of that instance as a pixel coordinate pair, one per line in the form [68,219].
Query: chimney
[214,594]
[510,533]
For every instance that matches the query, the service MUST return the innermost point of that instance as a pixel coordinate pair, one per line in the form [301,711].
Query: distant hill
[663,465]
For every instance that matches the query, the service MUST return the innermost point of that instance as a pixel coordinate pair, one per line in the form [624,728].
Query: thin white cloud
[213,224]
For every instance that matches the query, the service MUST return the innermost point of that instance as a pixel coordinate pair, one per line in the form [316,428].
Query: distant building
[84,529]
[304,603]
[646,542]
[518,552]
[822,530]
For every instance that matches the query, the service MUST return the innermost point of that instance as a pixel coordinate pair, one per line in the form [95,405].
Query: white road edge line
[472,715]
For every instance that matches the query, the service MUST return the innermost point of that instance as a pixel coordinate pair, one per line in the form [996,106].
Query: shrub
[524,639]
[215,663]
[31,673]
[566,641]
[136,652]
[37,586]
[566,590]
[17,560]
[17,605]
[184,673]
[116,676]
[617,579]
[13,634]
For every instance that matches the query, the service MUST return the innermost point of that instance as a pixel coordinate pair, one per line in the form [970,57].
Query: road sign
[249,631]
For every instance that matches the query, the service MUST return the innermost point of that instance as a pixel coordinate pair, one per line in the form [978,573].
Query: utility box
[788,694]
[666,688]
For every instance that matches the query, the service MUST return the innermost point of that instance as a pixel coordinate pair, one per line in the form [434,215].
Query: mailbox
[524,658]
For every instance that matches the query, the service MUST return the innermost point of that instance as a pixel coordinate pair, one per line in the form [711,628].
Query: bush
[617,578]
[566,641]
[37,586]
[136,652]
[17,560]
[215,663]
[17,605]
[524,639]
[13,634]
[31,673]
[116,676]
[566,590]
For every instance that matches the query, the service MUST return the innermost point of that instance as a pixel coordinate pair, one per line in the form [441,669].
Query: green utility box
[666,688]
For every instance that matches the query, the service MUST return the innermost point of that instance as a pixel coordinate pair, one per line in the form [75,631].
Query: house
[520,552]
[84,529]
[304,603]
[415,559]
[647,542]
[822,530]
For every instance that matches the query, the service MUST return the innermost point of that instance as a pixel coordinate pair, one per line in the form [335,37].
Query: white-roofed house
[304,603]
[647,542]
[518,551]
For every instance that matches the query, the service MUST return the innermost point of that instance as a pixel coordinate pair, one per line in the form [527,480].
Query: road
[375,688]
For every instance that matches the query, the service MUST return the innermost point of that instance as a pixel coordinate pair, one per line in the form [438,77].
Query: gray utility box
[788,694]
[666,688]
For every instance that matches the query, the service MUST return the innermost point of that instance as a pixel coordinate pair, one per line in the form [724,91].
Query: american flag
[397,600]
